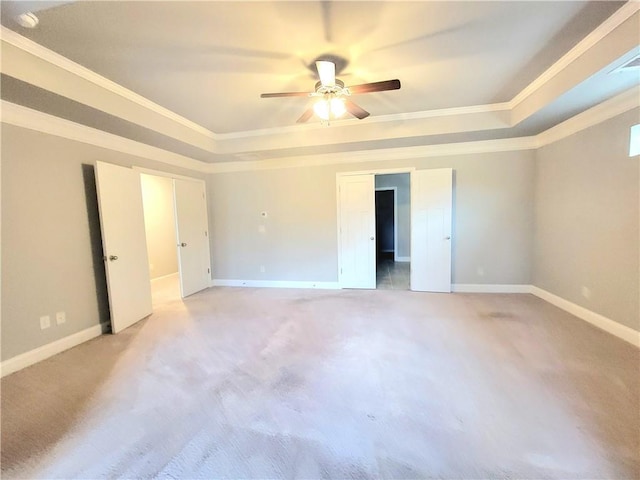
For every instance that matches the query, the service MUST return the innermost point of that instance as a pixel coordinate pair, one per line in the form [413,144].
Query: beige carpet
[268,383]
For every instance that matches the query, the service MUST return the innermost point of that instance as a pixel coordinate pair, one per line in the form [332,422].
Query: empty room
[320,239]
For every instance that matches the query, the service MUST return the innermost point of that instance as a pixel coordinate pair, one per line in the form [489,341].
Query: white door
[124,244]
[192,235]
[356,195]
[431,199]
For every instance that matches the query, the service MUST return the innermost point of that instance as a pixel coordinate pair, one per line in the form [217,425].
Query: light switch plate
[61,317]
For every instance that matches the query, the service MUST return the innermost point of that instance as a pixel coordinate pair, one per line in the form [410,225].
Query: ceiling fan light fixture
[330,108]
[332,96]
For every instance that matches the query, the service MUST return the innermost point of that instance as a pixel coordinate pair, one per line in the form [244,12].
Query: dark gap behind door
[385,244]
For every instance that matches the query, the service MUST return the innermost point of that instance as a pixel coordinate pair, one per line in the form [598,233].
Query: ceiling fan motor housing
[338,88]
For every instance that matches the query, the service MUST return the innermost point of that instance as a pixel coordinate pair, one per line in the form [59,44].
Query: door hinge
[206,234]
[208,270]
[340,271]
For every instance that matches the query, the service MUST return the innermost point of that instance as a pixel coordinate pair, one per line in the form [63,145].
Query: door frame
[377,171]
[160,173]
[395,217]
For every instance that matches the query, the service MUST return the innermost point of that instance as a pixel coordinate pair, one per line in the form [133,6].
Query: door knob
[183,244]
[370,238]
[113,257]
[447,238]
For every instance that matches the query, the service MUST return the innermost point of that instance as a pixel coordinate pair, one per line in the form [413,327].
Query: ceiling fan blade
[284,94]
[355,110]
[308,113]
[326,72]
[375,86]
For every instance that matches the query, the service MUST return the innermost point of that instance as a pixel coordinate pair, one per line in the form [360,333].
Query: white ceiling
[208,61]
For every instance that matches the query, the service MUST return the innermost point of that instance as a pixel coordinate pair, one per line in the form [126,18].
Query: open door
[124,244]
[356,208]
[192,235]
[431,202]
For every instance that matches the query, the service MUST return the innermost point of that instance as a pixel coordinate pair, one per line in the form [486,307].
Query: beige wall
[300,232]
[587,216]
[51,244]
[159,224]
[493,219]
[402,182]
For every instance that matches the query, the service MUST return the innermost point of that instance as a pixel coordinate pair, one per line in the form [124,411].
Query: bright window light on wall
[634,141]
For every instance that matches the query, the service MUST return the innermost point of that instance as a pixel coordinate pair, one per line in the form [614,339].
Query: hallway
[392,275]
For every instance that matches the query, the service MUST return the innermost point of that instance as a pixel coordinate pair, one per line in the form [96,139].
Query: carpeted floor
[272,383]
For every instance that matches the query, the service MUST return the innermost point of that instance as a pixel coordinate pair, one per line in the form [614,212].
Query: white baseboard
[614,328]
[220,282]
[403,259]
[36,355]
[489,288]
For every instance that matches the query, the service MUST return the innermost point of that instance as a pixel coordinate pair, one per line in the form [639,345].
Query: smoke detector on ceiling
[27,20]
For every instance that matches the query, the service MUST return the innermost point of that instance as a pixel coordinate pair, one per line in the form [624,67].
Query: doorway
[178,202]
[427,230]
[176,226]
[392,214]
[160,228]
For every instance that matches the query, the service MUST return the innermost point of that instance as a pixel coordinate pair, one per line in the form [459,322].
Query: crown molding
[442,112]
[387,154]
[603,111]
[9,36]
[396,117]
[604,29]
[24,117]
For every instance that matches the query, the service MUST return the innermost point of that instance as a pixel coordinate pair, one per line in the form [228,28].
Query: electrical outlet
[586,293]
[480,272]
[262,269]
[45,322]
[261,229]
[61,317]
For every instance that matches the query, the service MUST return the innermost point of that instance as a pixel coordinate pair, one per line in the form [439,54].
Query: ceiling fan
[332,95]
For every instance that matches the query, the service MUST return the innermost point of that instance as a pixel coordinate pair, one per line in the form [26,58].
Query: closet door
[431,202]
[357,211]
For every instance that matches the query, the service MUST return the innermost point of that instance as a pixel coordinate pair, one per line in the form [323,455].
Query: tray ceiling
[209,61]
